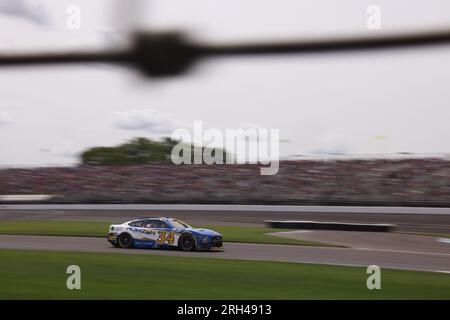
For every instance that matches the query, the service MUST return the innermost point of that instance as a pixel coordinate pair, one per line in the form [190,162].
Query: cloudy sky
[366,103]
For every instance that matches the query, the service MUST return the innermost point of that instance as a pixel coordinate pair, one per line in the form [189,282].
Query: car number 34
[165,236]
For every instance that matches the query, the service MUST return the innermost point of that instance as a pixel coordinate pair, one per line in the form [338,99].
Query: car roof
[152,218]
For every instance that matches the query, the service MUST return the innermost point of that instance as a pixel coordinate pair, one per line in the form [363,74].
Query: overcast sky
[377,102]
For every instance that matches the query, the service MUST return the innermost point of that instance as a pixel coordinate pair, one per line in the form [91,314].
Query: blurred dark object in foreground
[404,182]
[162,54]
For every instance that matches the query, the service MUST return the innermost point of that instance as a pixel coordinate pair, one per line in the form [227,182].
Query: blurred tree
[138,151]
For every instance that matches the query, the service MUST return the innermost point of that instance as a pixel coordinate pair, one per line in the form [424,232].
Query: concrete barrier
[316,225]
[24,198]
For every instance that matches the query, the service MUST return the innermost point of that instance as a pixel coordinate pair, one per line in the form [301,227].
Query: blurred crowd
[351,182]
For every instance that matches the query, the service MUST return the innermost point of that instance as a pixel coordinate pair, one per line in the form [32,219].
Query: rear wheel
[186,242]
[125,240]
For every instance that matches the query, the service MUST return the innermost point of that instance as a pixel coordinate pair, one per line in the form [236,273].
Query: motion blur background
[370,127]
[364,146]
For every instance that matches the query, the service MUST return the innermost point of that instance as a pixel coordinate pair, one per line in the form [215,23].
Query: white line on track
[403,251]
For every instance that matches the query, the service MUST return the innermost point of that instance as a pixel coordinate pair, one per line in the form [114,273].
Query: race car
[162,233]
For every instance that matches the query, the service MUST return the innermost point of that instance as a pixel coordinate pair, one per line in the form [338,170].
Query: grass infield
[42,275]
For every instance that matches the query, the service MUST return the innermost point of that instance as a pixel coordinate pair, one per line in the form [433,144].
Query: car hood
[204,232]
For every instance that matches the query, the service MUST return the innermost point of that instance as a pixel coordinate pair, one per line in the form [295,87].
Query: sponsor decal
[139,230]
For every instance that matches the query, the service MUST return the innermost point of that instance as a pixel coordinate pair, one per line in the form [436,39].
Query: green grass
[42,275]
[100,229]
[55,228]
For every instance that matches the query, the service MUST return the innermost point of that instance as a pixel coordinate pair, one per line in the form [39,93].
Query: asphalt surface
[387,258]
[436,220]
[387,241]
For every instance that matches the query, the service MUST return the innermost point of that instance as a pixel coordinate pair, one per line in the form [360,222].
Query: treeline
[139,151]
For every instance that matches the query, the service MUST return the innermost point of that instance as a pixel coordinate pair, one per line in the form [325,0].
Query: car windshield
[179,224]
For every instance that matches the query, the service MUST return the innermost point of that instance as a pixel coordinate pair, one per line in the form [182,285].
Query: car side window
[164,225]
[160,224]
[137,223]
[150,223]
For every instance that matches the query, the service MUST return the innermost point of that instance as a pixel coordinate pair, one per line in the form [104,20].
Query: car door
[148,230]
[166,235]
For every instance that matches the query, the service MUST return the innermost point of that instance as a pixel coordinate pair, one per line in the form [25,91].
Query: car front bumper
[213,242]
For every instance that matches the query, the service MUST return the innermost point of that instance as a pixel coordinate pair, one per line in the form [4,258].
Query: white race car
[162,233]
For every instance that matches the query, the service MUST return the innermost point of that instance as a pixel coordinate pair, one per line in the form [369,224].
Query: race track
[390,250]
[398,259]
[435,220]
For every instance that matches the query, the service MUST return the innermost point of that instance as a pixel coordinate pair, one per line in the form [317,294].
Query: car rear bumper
[112,238]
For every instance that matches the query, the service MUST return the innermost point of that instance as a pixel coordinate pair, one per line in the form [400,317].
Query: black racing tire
[186,242]
[125,240]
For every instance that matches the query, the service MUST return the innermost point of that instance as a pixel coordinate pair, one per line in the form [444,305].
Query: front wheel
[186,242]
[125,240]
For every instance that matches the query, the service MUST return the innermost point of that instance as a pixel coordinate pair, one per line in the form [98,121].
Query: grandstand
[392,182]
